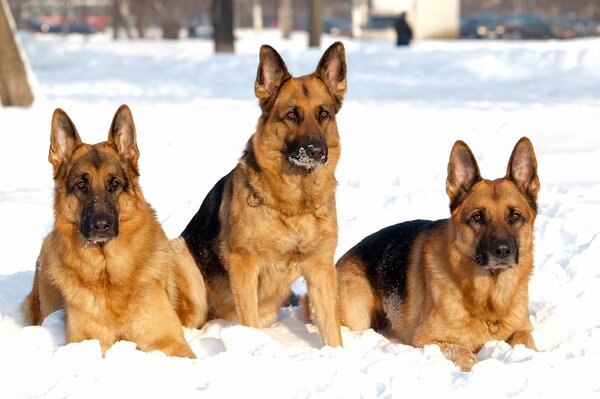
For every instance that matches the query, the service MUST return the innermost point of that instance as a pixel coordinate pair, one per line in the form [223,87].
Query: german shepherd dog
[457,282]
[107,261]
[273,218]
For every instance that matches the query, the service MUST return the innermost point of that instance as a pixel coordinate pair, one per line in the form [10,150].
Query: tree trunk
[286,19]
[257,16]
[15,89]
[116,18]
[222,12]
[65,21]
[316,23]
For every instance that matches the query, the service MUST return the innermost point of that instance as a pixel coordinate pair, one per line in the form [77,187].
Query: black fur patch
[386,255]
[305,90]
[202,231]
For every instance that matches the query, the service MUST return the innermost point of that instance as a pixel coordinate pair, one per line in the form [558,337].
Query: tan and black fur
[457,282]
[273,218]
[107,261]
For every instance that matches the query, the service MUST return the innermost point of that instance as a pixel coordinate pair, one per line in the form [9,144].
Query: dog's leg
[322,293]
[243,276]
[154,325]
[522,337]
[356,302]
[186,288]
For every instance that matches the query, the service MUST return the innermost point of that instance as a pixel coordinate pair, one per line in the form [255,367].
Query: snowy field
[403,111]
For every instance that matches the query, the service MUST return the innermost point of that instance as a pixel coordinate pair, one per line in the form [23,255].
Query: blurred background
[361,19]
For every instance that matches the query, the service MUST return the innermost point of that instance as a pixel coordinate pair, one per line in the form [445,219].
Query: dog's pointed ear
[332,70]
[522,168]
[463,173]
[122,134]
[271,74]
[63,138]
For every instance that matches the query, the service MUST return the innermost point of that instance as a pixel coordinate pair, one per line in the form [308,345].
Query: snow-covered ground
[404,109]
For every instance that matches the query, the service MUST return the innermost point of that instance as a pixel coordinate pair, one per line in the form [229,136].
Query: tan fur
[279,223]
[452,301]
[119,289]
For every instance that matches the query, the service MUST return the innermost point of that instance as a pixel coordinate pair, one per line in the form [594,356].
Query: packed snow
[405,107]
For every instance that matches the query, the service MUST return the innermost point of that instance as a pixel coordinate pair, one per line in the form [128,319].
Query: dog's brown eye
[81,184]
[324,114]
[114,184]
[477,217]
[292,115]
[515,217]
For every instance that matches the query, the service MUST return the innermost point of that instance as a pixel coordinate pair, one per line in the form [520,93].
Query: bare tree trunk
[257,16]
[65,21]
[286,18]
[15,88]
[116,18]
[316,23]
[222,12]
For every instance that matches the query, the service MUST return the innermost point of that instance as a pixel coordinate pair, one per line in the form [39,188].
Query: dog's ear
[63,138]
[122,134]
[271,74]
[522,168]
[463,173]
[332,70]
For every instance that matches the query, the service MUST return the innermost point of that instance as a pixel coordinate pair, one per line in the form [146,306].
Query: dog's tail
[31,307]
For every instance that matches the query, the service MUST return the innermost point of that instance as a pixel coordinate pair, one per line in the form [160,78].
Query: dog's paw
[522,337]
[461,356]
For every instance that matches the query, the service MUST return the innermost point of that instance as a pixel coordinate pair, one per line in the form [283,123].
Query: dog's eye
[81,185]
[515,216]
[324,115]
[292,115]
[477,217]
[114,184]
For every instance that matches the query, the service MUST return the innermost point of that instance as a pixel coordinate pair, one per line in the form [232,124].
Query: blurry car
[526,26]
[483,25]
[54,24]
[571,24]
[379,27]
[337,27]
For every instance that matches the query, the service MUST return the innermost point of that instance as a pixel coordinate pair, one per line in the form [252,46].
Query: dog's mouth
[499,267]
[99,240]
[494,265]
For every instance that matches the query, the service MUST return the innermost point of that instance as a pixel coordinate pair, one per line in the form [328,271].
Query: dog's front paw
[461,356]
[522,337]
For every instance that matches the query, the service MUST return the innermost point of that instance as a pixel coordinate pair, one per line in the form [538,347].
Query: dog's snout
[316,151]
[307,152]
[101,224]
[501,249]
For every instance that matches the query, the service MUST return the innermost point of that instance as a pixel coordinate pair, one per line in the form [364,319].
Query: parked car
[525,26]
[337,27]
[379,27]
[483,25]
[571,24]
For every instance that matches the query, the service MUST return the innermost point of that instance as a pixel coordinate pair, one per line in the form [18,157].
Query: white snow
[194,112]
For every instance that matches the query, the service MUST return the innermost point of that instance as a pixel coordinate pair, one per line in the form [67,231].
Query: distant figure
[403,31]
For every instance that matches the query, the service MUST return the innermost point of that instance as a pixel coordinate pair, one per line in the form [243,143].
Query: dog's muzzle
[307,155]
[99,226]
[497,255]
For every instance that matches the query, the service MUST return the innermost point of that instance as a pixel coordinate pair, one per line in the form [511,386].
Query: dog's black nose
[101,224]
[501,249]
[315,151]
